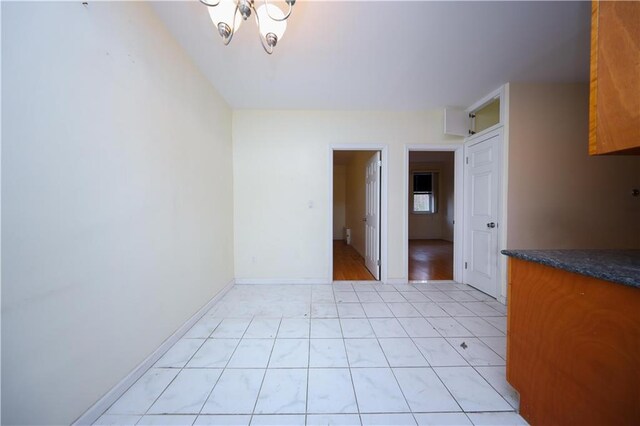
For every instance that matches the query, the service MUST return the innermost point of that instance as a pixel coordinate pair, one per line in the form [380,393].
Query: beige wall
[288,237]
[559,196]
[356,198]
[117,211]
[339,207]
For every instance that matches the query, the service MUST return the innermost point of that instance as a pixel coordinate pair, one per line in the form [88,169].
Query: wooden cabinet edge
[593,81]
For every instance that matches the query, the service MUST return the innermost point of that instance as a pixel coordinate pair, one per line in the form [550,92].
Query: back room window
[424,193]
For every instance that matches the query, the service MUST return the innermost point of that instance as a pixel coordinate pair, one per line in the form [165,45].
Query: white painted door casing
[372,218]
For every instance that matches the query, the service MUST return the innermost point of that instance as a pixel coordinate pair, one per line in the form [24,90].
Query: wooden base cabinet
[573,347]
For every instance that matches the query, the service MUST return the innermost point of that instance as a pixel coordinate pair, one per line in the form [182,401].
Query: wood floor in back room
[430,260]
[348,265]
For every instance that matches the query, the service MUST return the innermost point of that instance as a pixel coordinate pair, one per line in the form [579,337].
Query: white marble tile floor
[346,354]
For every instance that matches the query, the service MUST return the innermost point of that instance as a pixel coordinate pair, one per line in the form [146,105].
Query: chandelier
[227,15]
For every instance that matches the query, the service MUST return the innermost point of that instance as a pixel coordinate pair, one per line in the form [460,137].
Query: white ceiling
[388,55]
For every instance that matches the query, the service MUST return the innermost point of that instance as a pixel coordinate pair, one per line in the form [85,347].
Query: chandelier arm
[267,48]
[286,16]
[226,41]
[206,3]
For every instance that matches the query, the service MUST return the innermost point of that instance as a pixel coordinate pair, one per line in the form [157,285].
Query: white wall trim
[97,409]
[289,281]
[396,281]
[384,156]
[434,282]
[502,261]
[357,282]
[458,199]
[497,93]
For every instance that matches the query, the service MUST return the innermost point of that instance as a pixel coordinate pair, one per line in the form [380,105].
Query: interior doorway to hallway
[356,238]
[431,215]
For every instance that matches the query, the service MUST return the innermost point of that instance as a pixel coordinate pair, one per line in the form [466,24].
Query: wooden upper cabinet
[614,110]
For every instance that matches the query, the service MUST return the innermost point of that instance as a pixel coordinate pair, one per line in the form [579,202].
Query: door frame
[458,206]
[372,187]
[501,266]
[384,185]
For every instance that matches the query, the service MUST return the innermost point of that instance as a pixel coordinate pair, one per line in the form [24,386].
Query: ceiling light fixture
[227,16]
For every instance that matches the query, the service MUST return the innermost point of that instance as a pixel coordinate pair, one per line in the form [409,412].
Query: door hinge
[465,265]
[471,132]
[378,262]
[380,163]
[471,115]
[467,160]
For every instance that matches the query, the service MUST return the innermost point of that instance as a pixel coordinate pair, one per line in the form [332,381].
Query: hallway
[348,265]
[345,354]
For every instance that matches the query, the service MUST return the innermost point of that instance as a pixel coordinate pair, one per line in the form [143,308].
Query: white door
[483,165]
[372,218]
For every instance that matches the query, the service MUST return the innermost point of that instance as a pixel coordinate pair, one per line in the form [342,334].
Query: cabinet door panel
[614,115]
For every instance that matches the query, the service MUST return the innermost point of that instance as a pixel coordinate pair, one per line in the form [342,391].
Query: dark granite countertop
[618,266]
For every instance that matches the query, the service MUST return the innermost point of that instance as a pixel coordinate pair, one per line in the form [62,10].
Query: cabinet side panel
[574,347]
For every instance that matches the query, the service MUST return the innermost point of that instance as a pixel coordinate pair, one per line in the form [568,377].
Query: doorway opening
[431,215]
[356,231]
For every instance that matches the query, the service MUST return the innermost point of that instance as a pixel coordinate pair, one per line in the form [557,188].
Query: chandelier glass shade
[227,16]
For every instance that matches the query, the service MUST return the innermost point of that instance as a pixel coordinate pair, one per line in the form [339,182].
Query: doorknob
[491,225]
[364,219]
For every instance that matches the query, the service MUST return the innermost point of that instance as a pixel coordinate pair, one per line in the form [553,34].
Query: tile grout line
[176,376]
[253,413]
[225,365]
[153,366]
[516,410]
[306,404]
[448,390]
[477,411]
[406,401]
[353,385]
[469,418]
[189,360]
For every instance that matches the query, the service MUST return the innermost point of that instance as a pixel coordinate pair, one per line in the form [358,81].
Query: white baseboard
[397,281]
[96,410]
[262,281]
